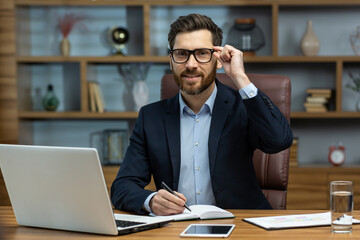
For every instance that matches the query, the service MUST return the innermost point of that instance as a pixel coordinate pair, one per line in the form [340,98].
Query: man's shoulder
[160,105]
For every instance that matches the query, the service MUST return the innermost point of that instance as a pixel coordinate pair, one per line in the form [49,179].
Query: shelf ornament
[246,36]
[117,37]
[111,145]
[355,87]
[336,154]
[134,75]
[66,24]
[309,44]
[50,100]
[355,41]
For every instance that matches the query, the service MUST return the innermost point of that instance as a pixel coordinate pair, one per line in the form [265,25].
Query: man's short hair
[193,22]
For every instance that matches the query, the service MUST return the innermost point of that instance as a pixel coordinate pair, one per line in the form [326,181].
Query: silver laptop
[64,188]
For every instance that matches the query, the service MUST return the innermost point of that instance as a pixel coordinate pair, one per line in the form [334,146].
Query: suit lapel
[219,115]
[172,126]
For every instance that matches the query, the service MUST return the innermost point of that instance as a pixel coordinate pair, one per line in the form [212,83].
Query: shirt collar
[208,104]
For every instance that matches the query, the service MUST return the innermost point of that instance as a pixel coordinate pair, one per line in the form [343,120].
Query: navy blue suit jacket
[237,128]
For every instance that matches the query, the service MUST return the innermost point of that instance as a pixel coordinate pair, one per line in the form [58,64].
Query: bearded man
[201,141]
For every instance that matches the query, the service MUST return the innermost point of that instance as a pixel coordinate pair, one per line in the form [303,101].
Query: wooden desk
[242,230]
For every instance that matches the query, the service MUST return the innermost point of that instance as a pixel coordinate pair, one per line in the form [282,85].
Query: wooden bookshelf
[17,61]
[309,185]
[110,173]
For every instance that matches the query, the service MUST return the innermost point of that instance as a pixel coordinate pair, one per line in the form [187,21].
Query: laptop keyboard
[123,223]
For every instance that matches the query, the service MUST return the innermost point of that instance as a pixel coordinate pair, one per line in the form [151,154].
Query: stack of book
[317,100]
[95,97]
[293,161]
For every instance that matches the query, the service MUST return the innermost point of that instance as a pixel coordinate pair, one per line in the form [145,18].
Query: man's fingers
[167,206]
[165,203]
[223,53]
[218,50]
[172,198]
[163,210]
[181,196]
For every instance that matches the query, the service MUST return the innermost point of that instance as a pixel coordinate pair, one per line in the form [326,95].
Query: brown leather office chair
[271,169]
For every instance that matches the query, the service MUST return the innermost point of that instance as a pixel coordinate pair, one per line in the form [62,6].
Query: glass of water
[341,204]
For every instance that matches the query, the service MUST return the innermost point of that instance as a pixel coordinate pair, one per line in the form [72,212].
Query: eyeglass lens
[201,55]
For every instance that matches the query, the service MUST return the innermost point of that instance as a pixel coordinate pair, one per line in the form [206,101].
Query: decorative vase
[358,105]
[65,47]
[355,41]
[37,100]
[309,44]
[140,94]
[50,100]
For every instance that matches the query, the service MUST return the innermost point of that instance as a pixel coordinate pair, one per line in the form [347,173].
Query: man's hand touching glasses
[233,64]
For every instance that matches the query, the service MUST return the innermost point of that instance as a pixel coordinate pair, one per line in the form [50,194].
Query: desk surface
[242,230]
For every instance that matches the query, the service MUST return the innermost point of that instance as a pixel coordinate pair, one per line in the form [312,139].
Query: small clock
[337,155]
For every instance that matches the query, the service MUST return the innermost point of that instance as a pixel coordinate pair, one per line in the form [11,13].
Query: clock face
[337,156]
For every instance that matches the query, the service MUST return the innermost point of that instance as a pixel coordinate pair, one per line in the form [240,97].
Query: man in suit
[201,141]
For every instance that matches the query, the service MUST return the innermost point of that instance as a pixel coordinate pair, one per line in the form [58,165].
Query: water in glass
[341,211]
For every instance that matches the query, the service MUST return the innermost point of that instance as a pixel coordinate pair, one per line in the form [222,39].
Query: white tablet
[208,230]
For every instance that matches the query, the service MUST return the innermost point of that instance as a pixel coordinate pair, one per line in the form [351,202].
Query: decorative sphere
[119,35]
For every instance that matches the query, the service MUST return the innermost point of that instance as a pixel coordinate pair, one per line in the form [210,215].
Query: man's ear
[170,62]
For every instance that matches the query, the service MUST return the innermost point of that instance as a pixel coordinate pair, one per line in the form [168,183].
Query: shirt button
[196,144]
[251,94]
[197,120]
[198,192]
[197,168]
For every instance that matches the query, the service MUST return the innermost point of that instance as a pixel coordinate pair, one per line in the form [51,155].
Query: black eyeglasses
[202,55]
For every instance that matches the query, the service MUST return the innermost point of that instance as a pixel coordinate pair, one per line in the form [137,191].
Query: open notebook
[200,212]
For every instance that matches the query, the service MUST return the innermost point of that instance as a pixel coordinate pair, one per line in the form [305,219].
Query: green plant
[356,81]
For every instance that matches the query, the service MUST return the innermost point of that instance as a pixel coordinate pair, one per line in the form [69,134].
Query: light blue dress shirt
[194,180]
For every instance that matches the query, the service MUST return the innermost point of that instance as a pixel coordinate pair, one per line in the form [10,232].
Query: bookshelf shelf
[31,115]
[133,115]
[305,115]
[165,59]
[92,59]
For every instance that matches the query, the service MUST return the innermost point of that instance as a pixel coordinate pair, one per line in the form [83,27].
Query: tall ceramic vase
[140,94]
[310,43]
[65,47]
[358,105]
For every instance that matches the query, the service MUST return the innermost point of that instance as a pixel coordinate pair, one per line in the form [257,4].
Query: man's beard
[190,88]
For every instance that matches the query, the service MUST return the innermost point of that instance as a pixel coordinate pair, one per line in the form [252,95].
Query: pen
[164,186]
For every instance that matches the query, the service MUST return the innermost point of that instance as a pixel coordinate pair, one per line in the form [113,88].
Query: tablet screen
[208,230]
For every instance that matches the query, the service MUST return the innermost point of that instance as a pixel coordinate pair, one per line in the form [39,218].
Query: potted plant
[355,87]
